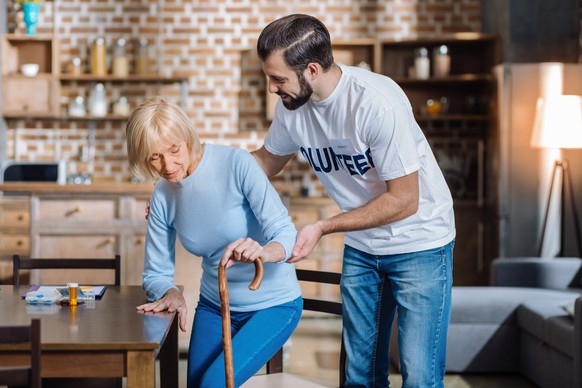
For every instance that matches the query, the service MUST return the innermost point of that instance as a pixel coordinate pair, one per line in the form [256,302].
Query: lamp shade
[558,122]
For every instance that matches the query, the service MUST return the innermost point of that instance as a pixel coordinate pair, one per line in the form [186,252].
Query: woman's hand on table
[172,301]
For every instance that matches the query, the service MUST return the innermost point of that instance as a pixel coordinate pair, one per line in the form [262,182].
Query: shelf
[48,116]
[13,75]
[453,117]
[457,78]
[29,38]
[28,116]
[111,78]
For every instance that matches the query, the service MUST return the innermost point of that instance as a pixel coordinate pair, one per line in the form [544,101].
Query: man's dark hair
[302,38]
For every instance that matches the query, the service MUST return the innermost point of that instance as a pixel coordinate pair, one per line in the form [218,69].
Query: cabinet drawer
[78,210]
[14,212]
[28,95]
[138,212]
[14,244]
[11,217]
[77,246]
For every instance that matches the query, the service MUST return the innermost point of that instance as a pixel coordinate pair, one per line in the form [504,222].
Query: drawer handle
[107,241]
[20,217]
[69,213]
[19,243]
[139,241]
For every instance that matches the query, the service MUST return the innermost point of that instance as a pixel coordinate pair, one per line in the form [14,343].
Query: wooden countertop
[55,188]
[119,189]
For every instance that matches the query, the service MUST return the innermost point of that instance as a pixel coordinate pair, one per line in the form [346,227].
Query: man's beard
[304,95]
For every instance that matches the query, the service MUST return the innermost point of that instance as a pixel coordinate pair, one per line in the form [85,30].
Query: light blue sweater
[227,197]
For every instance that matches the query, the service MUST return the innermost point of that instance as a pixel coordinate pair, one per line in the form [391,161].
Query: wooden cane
[225,313]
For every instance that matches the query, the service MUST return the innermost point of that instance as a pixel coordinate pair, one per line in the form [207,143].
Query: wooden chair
[26,375]
[21,263]
[275,376]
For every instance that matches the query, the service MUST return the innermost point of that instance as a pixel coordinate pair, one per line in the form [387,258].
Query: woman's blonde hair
[154,121]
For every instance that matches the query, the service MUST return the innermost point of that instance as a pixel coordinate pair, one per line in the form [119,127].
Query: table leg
[141,369]
[169,357]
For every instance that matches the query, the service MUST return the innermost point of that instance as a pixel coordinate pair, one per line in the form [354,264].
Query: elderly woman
[221,205]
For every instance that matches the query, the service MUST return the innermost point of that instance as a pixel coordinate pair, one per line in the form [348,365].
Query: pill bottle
[73,293]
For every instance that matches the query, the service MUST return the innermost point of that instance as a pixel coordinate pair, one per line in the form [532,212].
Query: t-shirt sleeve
[278,140]
[392,142]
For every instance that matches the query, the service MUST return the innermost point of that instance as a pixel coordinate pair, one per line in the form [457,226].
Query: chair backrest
[29,263]
[275,364]
[26,375]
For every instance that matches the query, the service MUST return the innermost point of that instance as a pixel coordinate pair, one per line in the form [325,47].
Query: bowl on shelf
[29,69]
[434,107]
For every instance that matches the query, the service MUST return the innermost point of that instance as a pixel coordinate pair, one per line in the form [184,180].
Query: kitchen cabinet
[457,112]
[29,96]
[40,96]
[68,225]
[50,220]
[14,233]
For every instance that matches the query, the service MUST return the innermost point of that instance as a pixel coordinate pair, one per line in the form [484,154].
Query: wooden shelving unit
[459,135]
[38,97]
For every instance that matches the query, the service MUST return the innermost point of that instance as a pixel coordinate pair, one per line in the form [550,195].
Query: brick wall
[212,44]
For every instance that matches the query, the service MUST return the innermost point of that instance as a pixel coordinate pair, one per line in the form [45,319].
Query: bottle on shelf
[441,61]
[98,101]
[120,60]
[121,107]
[421,63]
[142,57]
[75,66]
[98,57]
[77,107]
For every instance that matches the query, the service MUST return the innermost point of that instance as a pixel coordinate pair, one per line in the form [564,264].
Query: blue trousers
[257,335]
[419,285]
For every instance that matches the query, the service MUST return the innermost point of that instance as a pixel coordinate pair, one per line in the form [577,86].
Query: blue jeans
[419,285]
[257,335]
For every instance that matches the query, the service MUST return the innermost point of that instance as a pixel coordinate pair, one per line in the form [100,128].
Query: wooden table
[103,338]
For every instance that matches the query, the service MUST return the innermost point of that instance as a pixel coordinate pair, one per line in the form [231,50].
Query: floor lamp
[558,125]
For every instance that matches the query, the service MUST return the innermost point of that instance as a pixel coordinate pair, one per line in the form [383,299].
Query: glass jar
[121,107]
[98,101]
[120,60]
[142,57]
[77,107]
[421,63]
[441,61]
[75,66]
[98,57]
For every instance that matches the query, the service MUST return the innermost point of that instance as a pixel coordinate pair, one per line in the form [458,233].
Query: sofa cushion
[550,273]
[497,305]
[547,321]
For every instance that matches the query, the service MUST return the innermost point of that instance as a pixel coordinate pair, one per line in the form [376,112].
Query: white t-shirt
[362,135]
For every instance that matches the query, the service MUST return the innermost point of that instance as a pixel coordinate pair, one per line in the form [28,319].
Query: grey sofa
[519,324]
